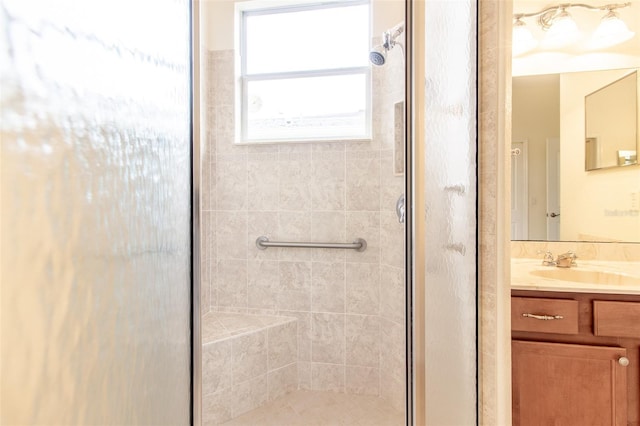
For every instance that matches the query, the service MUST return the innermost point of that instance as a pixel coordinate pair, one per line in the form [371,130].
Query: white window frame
[242,78]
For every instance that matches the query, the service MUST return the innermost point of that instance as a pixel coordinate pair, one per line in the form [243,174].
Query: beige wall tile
[217,407]
[392,234]
[263,283]
[363,288]
[327,377]
[231,283]
[363,181]
[328,287]
[282,342]
[328,181]
[249,395]
[392,293]
[362,337]
[263,182]
[329,192]
[304,375]
[231,182]
[304,333]
[216,367]
[295,182]
[249,354]
[327,338]
[282,381]
[295,286]
[231,228]
[391,186]
[208,254]
[208,184]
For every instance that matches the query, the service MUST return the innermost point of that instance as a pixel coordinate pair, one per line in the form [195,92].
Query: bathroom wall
[495,74]
[494,186]
[616,216]
[349,305]
[586,251]
[536,117]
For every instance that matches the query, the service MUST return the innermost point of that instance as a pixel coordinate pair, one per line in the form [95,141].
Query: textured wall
[96,212]
[494,346]
[350,305]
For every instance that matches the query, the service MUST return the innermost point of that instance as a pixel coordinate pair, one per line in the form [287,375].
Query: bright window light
[304,73]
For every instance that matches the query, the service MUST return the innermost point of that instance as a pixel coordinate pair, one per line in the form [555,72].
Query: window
[303,71]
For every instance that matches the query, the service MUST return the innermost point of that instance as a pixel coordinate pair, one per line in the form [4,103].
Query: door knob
[623,361]
[554,214]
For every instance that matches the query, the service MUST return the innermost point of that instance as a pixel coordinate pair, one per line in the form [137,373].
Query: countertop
[590,276]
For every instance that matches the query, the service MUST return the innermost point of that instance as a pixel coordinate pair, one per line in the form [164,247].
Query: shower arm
[389,37]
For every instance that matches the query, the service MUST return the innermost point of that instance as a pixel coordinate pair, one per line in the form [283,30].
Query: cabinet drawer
[544,315]
[616,319]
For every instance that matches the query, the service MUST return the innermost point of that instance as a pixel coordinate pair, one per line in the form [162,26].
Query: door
[519,191]
[568,385]
[96,210]
[553,189]
[285,167]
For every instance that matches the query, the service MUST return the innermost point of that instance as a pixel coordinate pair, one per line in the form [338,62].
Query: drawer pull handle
[623,361]
[543,317]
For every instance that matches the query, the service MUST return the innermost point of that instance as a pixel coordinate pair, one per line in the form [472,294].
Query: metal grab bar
[359,244]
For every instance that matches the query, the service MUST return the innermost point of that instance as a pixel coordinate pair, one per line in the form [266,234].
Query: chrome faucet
[547,260]
[566,260]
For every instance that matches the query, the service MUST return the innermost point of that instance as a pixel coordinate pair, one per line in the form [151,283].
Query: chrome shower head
[378,55]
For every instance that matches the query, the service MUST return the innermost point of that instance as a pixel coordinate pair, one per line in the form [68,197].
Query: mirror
[611,125]
[553,197]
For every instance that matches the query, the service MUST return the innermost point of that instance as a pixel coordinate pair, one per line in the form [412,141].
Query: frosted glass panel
[450,216]
[95,267]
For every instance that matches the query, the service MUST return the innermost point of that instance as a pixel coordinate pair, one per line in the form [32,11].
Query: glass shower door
[302,335]
[96,208]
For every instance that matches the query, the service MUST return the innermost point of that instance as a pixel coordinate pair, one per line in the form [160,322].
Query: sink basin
[587,277]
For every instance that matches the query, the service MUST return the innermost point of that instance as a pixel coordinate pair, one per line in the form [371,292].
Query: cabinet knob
[623,361]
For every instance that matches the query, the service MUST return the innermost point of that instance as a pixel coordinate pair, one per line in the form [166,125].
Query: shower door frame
[196,335]
[414,247]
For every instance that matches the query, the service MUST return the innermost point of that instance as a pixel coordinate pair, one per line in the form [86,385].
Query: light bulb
[523,41]
[611,31]
[563,31]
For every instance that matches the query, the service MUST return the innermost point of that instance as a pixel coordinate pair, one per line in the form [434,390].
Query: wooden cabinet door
[565,385]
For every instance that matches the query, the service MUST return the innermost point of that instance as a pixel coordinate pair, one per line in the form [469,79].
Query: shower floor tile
[312,408]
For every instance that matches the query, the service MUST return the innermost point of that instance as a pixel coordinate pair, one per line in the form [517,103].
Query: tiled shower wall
[349,305]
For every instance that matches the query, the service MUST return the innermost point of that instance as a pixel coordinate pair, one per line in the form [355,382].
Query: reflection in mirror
[611,125]
[553,197]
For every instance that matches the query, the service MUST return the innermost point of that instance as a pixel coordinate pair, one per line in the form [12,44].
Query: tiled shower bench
[247,360]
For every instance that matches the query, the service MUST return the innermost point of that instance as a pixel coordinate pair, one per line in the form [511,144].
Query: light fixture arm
[546,15]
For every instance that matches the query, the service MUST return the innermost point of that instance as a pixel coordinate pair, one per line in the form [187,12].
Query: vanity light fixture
[523,40]
[611,31]
[562,30]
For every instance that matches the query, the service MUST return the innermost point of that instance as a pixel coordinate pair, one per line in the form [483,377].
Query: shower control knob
[623,361]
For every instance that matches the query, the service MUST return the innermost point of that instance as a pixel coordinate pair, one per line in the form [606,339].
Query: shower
[378,55]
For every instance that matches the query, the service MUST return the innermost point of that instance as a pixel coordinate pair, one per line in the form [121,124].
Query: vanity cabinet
[575,358]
